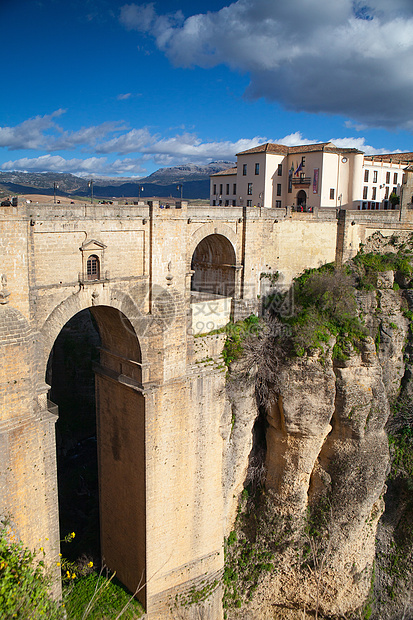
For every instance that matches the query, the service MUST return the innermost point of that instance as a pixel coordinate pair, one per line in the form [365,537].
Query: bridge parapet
[69,213]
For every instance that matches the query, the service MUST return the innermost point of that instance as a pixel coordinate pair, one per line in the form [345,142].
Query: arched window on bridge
[213,283]
[213,263]
[93,268]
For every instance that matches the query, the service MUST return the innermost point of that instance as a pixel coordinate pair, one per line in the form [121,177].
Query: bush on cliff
[24,584]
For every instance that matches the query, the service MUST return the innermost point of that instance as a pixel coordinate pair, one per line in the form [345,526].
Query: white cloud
[30,134]
[42,132]
[360,144]
[138,17]
[114,138]
[81,167]
[348,57]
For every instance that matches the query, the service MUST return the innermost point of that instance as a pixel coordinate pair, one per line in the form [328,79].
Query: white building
[310,176]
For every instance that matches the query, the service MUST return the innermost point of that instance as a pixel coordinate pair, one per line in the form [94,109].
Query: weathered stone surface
[327,450]
[236,428]
[298,425]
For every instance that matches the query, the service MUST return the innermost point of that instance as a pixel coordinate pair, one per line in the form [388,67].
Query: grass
[100,596]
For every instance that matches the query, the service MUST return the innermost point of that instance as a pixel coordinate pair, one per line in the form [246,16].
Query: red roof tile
[224,172]
[281,149]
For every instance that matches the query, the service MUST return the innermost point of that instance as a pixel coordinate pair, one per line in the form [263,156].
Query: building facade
[310,176]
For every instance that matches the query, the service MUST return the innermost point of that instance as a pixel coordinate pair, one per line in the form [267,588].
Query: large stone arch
[121,419]
[90,297]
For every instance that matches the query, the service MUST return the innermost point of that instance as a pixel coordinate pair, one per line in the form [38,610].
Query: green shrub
[24,583]
[368,266]
[236,336]
[325,306]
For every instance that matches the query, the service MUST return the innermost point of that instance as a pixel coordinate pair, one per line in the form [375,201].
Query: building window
[234,188]
[220,189]
[215,189]
[244,170]
[234,202]
[395,178]
[249,203]
[386,193]
[374,176]
[92,268]
[365,190]
[364,205]
[331,193]
[278,204]
[257,168]
[366,176]
[227,203]
[278,189]
[394,190]
[227,189]
[373,193]
[280,170]
[249,191]
[303,162]
[213,203]
[387,177]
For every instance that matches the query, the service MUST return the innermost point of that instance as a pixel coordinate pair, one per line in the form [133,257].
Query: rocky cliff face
[327,461]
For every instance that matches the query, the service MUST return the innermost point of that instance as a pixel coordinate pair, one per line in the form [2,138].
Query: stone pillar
[28,479]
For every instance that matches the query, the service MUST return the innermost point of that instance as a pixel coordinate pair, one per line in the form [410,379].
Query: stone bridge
[156,280]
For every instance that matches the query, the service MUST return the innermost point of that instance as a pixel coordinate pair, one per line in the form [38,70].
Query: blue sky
[107,87]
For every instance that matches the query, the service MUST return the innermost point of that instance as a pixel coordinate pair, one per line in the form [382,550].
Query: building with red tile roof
[310,176]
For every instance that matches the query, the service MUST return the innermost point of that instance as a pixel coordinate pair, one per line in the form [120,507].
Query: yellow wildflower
[90,564]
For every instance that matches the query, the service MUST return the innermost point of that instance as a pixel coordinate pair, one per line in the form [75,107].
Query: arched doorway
[301,200]
[95,366]
[213,263]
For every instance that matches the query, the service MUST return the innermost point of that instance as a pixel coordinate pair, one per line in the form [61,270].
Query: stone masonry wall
[191,467]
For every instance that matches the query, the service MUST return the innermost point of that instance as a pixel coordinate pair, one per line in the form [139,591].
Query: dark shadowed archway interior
[95,374]
[213,263]
[302,199]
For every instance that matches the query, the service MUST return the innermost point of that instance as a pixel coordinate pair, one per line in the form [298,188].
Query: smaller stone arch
[213,265]
[212,228]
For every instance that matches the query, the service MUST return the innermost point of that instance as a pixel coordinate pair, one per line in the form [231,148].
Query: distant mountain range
[162,183]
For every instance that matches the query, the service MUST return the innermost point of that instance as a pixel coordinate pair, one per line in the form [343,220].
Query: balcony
[301,181]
